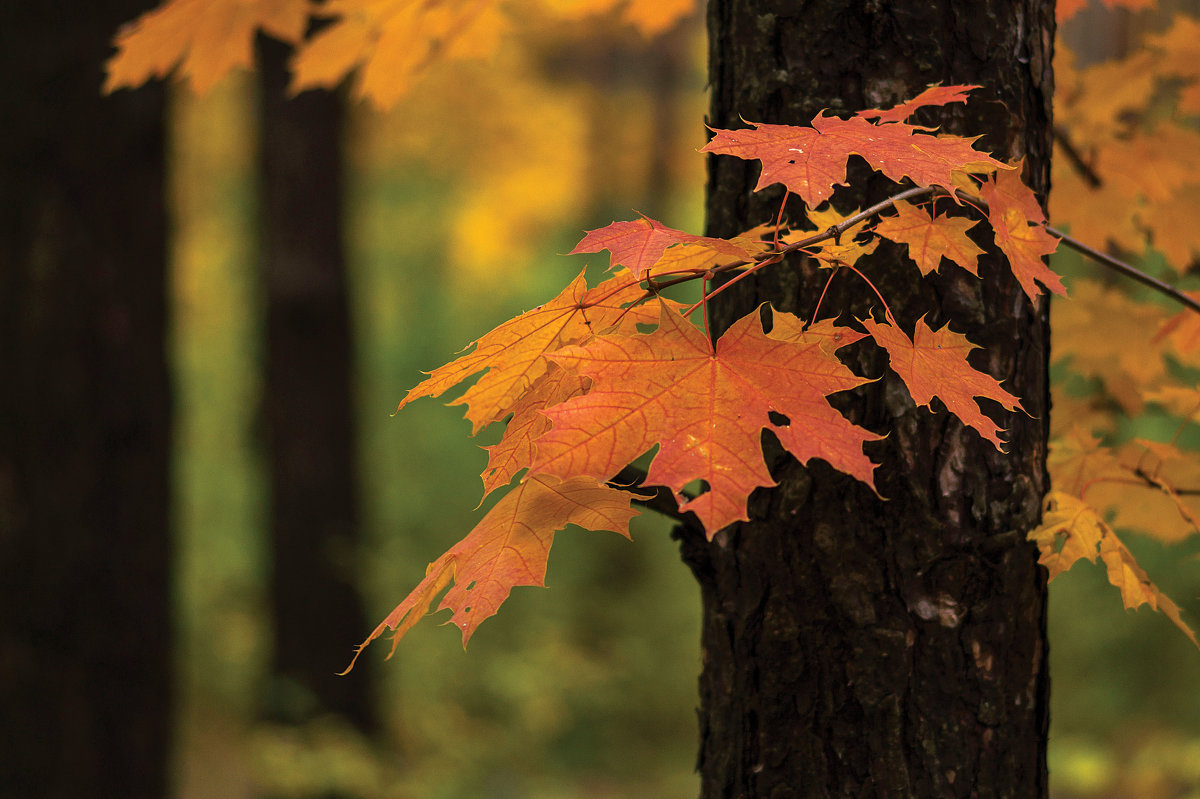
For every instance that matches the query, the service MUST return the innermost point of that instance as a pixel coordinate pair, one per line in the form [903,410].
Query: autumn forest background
[455,206]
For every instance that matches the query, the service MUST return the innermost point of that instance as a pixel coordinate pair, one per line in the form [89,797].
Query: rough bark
[853,645]
[308,403]
[85,667]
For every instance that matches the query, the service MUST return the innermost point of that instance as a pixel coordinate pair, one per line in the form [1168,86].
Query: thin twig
[1073,155]
[1126,269]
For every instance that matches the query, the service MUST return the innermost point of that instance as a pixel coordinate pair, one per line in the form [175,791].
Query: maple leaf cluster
[597,377]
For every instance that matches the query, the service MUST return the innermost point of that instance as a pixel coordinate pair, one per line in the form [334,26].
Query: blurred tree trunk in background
[855,646]
[85,621]
[308,404]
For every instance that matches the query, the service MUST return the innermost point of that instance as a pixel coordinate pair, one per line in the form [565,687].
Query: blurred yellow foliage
[388,43]
[391,41]
[205,39]
[1127,370]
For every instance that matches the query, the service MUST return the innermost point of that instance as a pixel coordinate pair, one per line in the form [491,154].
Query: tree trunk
[853,645]
[308,401]
[85,622]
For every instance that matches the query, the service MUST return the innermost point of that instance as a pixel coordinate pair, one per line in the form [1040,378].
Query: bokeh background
[458,204]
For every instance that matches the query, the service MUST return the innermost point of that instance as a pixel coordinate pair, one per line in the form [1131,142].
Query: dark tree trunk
[85,622]
[855,646]
[309,407]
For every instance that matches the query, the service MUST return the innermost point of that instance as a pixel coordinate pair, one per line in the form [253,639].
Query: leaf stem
[779,216]
[886,309]
[705,296]
[817,308]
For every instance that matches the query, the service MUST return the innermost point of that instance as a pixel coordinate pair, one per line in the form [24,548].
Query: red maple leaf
[640,244]
[705,408]
[810,161]
[1024,242]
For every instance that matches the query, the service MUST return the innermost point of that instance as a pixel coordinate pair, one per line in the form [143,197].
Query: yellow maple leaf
[1071,530]
[1136,587]
[1138,485]
[1159,504]
[929,240]
[205,39]
[845,249]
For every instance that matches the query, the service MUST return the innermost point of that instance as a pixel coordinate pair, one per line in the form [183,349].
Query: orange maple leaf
[509,547]
[1022,241]
[934,95]
[514,354]
[1009,190]
[810,161]
[933,363]
[205,38]
[515,450]
[705,408]
[929,240]
[640,244]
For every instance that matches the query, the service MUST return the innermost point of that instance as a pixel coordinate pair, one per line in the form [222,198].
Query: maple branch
[1063,137]
[835,231]
[776,255]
